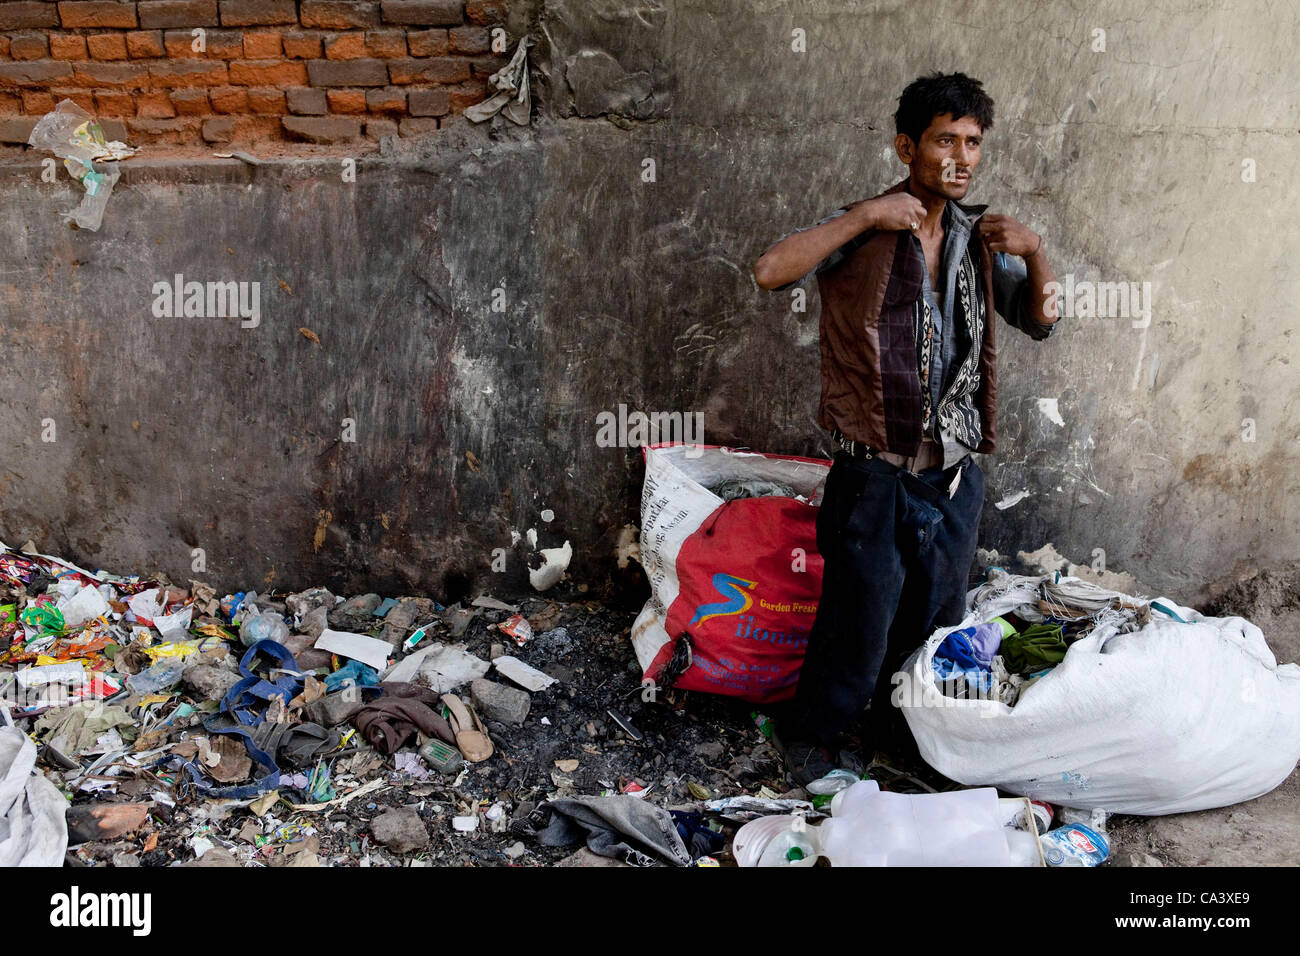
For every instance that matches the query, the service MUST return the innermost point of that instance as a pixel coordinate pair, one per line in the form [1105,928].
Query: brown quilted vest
[871,384]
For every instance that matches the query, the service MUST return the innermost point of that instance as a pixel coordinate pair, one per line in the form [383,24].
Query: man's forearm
[795,256]
[1041,283]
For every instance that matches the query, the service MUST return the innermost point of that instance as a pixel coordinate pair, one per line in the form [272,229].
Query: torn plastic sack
[1158,709]
[734,584]
[33,828]
[72,134]
[243,709]
[513,101]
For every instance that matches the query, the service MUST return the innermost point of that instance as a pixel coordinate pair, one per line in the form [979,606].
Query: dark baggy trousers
[897,553]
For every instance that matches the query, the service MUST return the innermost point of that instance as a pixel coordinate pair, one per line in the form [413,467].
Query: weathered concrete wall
[470,422]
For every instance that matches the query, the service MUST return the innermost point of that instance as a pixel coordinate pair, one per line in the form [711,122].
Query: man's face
[943,162]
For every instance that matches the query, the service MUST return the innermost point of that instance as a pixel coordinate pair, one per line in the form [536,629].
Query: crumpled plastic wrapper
[72,134]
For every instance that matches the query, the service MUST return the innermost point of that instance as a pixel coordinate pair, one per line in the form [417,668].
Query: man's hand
[1004,234]
[896,211]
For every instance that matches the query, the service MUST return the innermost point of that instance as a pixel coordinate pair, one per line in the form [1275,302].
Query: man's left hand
[1004,234]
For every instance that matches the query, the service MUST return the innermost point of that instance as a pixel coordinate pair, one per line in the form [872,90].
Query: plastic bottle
[791,847]
[162,676]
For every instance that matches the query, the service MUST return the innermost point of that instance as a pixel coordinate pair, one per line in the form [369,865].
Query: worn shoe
[804,760]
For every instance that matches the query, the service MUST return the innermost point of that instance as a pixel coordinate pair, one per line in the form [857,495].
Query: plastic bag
[1178,715]
[72,134]
[741,579]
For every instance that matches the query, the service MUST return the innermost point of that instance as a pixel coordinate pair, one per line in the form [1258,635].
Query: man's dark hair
[929,96]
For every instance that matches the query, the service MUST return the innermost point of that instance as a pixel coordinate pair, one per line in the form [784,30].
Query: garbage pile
[146,723]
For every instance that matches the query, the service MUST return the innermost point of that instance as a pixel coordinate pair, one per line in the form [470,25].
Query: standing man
[908,392]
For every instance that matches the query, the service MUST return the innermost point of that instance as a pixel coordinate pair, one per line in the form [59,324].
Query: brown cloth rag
[390,721]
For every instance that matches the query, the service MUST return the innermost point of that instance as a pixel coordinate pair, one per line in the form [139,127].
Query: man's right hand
[896,211]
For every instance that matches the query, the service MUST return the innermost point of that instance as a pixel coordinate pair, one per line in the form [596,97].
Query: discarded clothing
[70,730]
[1036,647]
[699,839]
[390,721]
[734,488]
[621,826]
[972,647]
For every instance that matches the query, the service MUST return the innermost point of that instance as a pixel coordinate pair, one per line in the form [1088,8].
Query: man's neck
[934,206]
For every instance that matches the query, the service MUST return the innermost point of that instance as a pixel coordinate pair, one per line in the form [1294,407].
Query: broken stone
[209,681]
[305,602]
[354,611]
[499,702]
[400,830]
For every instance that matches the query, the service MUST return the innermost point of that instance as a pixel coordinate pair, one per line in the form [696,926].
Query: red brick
[229,99]
[114,103]
[262,45]
[98,13]
[303,46]
[178,13]
[428,103]
[219,130]
[190,102]
[377,129]
[437,13]
[322,129]
[28,46]
[35,73]
[347,72]
[28,15]
[121,76]
[154,105]
[188,73]
[179,45]
[467,94]
[177,132]
[307,102]
[335,15]
[107,46]
[266,101]
[347,101]
[10,103]
[386,43]
[431,70]
[428,42]
[485,11]
[82,98]
[345,46]
[387,100]
[225,44]
[145,44]
[4,46]
[267,73]
[417,126]
[486,65]
[470,40]
[68,46]
[38,101]
[256,13]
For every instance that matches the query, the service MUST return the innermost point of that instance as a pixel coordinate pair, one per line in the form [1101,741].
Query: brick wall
[319,71]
